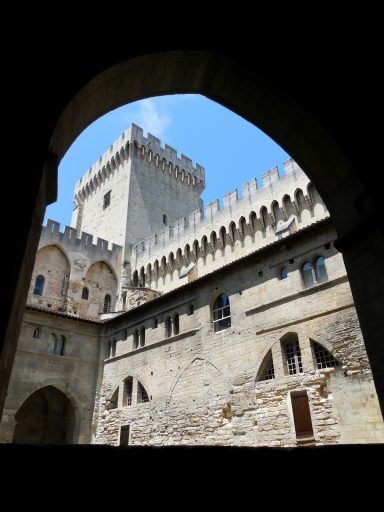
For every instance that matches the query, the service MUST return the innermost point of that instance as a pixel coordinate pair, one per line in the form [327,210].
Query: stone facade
[155,363]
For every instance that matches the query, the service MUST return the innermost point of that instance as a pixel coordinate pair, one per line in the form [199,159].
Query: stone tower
[136,189]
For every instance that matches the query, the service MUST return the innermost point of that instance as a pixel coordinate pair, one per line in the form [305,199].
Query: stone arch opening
[46,417]
[233,83]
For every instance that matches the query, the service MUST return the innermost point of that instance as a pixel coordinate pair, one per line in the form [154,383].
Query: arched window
[142,278]
[165,220]
[142,337]
[221,313]
[135,339]
[223,235]
[107,304]
[127,393]
[324,359]
[168,327]
[321,271]
[232,231]
[204,245]
[292,355]
[318,274]
[142,395]
[252,221]
[267,370]
[176,328]
[242,226]
[135,279]
[213,240]
[195,249]
[36,333]
[283,273]
[264,216]
[113,400]
[39,285]
[85,293]
[307,271]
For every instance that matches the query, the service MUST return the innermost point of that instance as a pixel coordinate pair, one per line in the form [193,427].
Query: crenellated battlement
[133,144]
[78,241]
[274,203]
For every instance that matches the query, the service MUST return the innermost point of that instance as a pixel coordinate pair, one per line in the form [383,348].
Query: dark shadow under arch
[46,417]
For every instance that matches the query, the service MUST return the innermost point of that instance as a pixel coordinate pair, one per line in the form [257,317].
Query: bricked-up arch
[46,417]
[200,382]
[235,80]
[101,282]
[53,265]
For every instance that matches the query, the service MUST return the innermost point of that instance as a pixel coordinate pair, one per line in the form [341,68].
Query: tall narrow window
[124,300]
[127,395]
[107,199]
[301,414]
[165,222]
[135,339]
[59,348]
[293,356]
[36,333]
[39,286]
[142,395]
[176,328]
[113,348]
[124,435]
[52,342]
[107,304]
[168,327]
[321,271]
[283,273]
[307,272]
[85,293]
[142,337]
[221,313]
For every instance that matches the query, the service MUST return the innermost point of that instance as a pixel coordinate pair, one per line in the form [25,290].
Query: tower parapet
[77,241]
[133,144]
[279,198]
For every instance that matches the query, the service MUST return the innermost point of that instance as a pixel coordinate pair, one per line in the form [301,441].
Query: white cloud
[150,118]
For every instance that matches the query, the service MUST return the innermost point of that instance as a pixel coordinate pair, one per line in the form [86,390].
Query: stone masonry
[124,320]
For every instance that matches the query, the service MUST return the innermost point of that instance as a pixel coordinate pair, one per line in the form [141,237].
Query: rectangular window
[107,199]
[221,318]
[124,435]
[301,414]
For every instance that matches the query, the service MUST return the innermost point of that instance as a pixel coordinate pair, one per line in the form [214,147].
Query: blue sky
[231,149]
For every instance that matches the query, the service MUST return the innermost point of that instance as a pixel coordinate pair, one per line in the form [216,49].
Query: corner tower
[136,189]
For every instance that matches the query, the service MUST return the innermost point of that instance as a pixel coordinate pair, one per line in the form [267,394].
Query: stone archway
[234,83]
[46,417]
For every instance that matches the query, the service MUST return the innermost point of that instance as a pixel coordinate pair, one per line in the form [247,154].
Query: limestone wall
[262,216]
[75,373]
[204,386]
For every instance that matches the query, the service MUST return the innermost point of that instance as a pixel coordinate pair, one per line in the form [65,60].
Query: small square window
[107,199]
